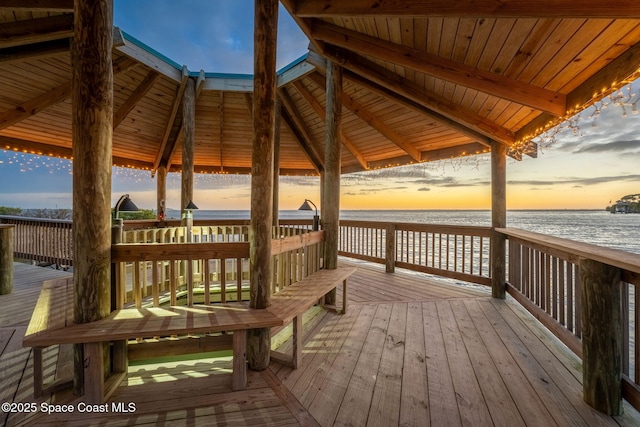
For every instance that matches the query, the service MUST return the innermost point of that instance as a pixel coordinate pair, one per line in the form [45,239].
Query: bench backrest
[160,274]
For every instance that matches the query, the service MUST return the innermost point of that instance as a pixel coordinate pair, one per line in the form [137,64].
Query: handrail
[42,239]
[455,252]
[615,257]
[545,277]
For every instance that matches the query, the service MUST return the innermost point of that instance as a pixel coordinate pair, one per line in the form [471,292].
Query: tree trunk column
[264,83]
[188,143]
[276,163]
[498,218]
[331,212]
[6,259]
[92,115]
[601,336]
[161,192]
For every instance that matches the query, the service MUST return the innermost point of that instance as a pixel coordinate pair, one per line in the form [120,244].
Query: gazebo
[383,84]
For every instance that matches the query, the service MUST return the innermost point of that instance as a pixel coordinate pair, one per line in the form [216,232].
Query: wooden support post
[601,336]
[239,376]
[6,259]
[390,249]
[188,143]
[92,115]
[276,163]
[264,98]
[93,373]
[161,192]
[333,143]
[498,218]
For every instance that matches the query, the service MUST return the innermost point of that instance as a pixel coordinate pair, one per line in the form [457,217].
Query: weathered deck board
[409,351]
[16,363]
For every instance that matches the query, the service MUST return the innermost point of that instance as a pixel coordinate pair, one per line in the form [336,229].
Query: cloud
[424,189]
[576,181]
[610,147]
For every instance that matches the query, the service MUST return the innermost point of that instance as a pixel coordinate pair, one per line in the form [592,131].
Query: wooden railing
[544,276]
[456,252]
[42,240]
[198,272]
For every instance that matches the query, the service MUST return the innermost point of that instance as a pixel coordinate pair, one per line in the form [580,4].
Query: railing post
[390,249]
[6,259]
[601,336]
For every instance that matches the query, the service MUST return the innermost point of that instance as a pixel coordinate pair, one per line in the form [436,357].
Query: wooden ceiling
[423,80]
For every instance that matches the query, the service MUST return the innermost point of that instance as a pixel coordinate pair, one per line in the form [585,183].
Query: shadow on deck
[410,351]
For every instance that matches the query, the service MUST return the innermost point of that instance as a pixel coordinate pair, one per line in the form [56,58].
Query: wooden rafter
[368,117]
[322,114]
[51,97]
[135,97]
[298,128]
[320,64]
[171,119]
[199,86]
[468,8]
[36,50]
[442,68]
[440,154]
[38,5]
[36,30]
[416,93]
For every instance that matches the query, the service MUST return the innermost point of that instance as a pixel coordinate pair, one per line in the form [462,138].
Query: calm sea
[598,227]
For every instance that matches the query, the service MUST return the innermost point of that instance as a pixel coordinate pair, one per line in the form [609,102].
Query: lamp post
[188,218]
[124,204]
[316,219]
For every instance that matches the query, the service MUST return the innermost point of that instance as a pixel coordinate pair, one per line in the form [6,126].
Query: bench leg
[239,376]
[120,356]
[37,372]
[93,373]
[297,342]
[344,296]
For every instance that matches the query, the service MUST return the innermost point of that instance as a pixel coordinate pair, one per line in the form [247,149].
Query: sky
[581,167]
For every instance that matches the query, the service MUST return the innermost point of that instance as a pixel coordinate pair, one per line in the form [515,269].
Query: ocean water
[617,231]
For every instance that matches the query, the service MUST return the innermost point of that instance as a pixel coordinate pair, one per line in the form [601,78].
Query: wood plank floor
[410,351]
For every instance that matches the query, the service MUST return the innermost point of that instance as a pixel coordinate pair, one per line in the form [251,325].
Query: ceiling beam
[174,142]
[171,119]
[38,5]
[135,97]
[430,156]
[320,63]
[51,97]
[322,114]
[36,30]
[299,129]
[420,95]
[442,68]
[36,50]
[368,117]
[624,9]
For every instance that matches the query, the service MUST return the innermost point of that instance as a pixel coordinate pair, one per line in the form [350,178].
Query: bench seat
[158,321]
[287,306]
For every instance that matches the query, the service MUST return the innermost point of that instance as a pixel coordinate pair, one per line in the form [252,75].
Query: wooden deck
[410,351]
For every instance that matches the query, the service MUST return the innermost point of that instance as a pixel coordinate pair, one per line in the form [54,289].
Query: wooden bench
[293,301]
[53,310]
[131,323]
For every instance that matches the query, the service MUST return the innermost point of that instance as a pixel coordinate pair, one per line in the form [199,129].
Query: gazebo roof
[423,80]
